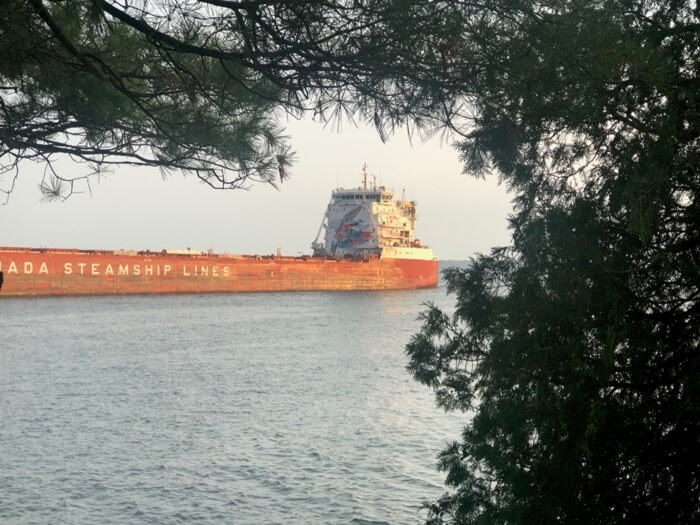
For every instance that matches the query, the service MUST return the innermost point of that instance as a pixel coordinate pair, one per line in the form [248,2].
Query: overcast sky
[136,209]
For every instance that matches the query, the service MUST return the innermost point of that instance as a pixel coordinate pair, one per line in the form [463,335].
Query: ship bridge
[380,194]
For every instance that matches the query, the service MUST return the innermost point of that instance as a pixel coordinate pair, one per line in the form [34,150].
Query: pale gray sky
[136,209]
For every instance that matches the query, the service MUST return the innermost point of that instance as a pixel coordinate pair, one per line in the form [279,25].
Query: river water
[240,408]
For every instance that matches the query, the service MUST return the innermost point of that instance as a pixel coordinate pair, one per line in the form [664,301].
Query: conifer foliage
[197,86]
[576,349]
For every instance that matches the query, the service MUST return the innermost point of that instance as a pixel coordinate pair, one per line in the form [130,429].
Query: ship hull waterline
[47,272]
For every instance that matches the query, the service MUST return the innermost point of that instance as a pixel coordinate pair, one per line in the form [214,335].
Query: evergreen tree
[575,349]
[198,86]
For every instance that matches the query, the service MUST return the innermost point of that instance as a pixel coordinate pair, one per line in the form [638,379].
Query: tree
[196,86]
[576,348]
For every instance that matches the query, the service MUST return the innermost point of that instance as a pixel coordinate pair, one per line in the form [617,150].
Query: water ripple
[248,408]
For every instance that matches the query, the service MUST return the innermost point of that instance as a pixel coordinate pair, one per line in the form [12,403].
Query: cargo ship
[369,244]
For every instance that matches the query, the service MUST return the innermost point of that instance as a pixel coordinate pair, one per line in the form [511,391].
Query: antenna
[374,182]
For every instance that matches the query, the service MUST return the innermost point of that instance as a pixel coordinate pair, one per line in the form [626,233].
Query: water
[240,408]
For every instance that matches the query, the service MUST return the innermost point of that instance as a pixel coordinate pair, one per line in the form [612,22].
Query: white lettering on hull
[97,269]
[27,268]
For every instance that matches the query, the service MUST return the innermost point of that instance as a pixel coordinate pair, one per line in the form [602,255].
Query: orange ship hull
[37,272]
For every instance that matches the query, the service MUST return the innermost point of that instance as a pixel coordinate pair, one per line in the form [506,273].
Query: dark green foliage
[201,86]
[77,82]
[576,348]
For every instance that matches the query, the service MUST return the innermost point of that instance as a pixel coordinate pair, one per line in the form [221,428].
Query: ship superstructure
[367,222]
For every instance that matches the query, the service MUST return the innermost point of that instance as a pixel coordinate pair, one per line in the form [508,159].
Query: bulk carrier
[369,244]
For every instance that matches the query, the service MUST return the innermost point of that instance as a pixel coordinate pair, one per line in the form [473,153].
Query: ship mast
[364,176]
